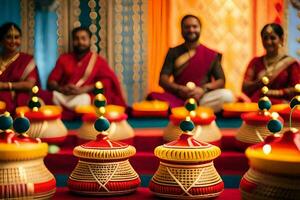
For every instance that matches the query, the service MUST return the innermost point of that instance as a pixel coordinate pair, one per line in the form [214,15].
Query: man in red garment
[193,64]
[75,74]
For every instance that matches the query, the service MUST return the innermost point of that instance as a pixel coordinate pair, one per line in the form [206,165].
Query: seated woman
[18,72]
[282,70]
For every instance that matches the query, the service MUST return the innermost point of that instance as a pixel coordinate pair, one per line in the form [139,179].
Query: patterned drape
[135,49]
[130,45]
[27,25]
[293,18]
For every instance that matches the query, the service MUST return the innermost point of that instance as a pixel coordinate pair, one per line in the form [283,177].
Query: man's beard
[191,40]
[79,50]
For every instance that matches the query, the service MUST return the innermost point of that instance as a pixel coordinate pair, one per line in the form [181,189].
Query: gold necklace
[270,64]
[5,63]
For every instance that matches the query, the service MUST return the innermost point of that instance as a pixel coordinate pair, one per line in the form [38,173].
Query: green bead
[21,125]
[99,104]
[295,101]
[100,100]
[191,104]
[5,122]
[264,104]
[101,124]
[187,125]
[98,91]
[274,126]
[33,104]
[190,107]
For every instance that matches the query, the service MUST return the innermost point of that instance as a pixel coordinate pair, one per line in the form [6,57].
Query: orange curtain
[158,41]
[229,27]
[265,11]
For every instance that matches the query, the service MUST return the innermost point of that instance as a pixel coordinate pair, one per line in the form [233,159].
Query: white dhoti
[71,101]
[216,98]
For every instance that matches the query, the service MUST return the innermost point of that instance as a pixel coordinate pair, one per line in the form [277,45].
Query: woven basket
[208,133]
[262,186]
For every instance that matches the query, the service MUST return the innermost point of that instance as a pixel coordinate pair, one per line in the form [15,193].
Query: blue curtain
[293,32]
[10,11]
[45,42]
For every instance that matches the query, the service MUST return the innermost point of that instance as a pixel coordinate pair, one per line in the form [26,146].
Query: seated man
[195,63]
[75,74]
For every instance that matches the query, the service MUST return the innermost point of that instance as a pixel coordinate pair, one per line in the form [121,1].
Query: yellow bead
[193,113]
[35,99]
[297,87]
[265,80]
[192,101]
[35,89]
[102,110]
[6,114]
[191,85]
[264,90]
[22,114]
[98,85]
[265,98]
[188,118]
[274,115]
[100,97]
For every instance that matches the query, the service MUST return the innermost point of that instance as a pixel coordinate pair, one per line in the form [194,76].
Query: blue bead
[264,104]
[274,126]
[101,124]
[21,125]
[295,101]
[5,122]
[187,125]
[190,106]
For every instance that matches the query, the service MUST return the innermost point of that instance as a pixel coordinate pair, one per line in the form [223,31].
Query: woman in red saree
[18,72]
[282,70]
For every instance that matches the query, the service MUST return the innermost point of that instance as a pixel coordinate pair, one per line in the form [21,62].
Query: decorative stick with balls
[34,103]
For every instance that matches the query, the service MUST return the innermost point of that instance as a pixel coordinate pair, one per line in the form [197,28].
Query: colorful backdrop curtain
[228,26]
[134,35]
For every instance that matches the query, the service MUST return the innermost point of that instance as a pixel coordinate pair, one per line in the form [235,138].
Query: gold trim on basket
[101,154]
[187,155]
[27,151]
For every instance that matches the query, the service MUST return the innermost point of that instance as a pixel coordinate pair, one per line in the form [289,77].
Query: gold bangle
[10,86]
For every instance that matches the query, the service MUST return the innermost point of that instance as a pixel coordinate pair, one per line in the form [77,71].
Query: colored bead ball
[265,80]
[101,124]
[100,100]
[295,101]
[98,88]
[32,104]
[265,90]
[264,103]
[5,121]
[35,89]
[98,91]
[191,104]
[187,125]
[274,126]
[21,124]
[98,85]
